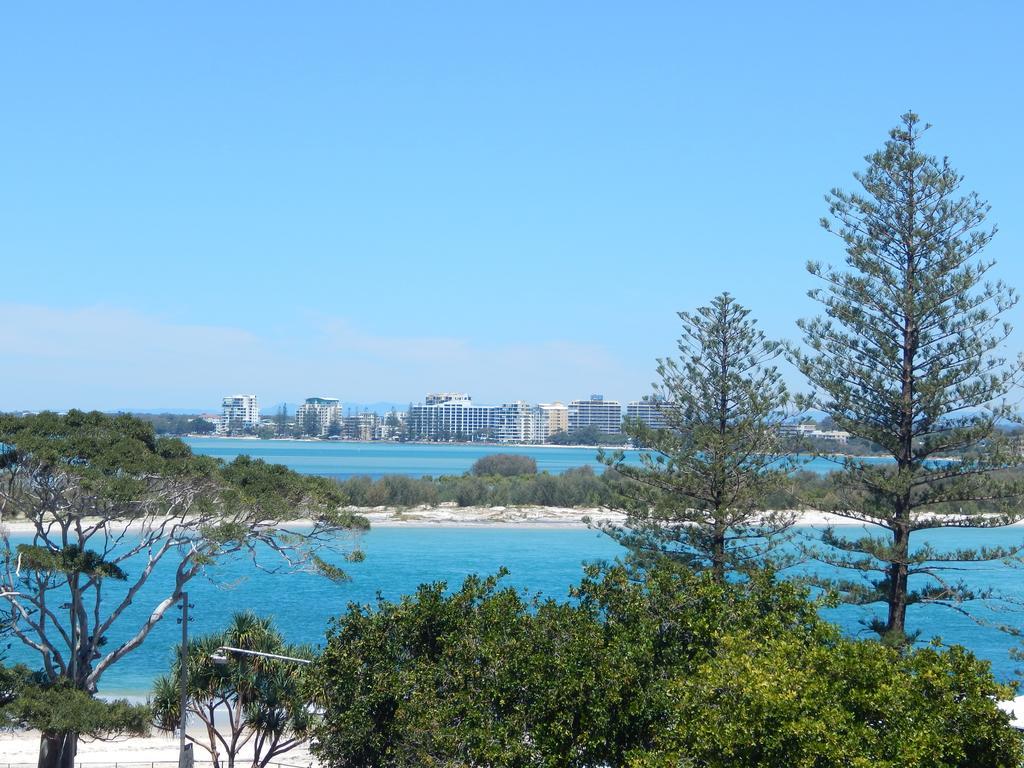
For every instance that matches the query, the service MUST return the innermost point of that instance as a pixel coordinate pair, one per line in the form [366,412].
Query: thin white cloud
[110,357]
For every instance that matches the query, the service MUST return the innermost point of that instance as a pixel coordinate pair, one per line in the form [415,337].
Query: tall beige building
[548,419]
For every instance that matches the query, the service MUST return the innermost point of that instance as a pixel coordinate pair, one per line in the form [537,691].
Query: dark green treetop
[657,668]
[699,493]
[910,356]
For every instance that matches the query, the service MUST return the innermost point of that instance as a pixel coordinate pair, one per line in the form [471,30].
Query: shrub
[505,465]
[658,668]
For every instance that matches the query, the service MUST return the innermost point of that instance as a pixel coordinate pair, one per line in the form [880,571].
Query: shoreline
[449,515]
[838,455]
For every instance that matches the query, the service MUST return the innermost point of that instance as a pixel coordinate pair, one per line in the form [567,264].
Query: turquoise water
[540,560]
[344,458]
[547,561]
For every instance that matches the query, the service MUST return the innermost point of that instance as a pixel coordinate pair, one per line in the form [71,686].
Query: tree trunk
[58,750]
[718,555]
[896,623]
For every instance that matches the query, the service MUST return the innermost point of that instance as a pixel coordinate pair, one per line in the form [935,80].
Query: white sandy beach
[452,516]
[158,751]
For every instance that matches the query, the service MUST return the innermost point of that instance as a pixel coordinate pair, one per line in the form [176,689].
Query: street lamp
[185,758]
[220,656]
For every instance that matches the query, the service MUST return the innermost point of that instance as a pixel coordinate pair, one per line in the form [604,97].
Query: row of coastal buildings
[442,416]
[454,417]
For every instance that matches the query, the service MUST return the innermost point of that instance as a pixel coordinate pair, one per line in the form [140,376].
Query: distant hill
[173,411]
[381,407]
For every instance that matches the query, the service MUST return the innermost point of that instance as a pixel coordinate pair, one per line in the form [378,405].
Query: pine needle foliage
[909,355]
[699,490]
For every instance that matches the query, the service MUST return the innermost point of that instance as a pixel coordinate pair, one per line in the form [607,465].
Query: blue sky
[375,200]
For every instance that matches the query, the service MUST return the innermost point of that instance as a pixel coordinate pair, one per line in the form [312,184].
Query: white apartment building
[650,412]
[548,419]
[606,415]
[238,413]
[319,413]
[451,419]
[811,431]
[513,422]
[797,430]
[436,398]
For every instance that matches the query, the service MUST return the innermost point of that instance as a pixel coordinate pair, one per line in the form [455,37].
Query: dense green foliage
[505,465]
[664,668]
[579,487]
[699,492]
[242,701]
[588,435]
[176,424]
[57,709]
[107,500]
[909,357]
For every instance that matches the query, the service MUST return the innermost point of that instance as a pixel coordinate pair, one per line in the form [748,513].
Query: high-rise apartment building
[650,412]
[361,426]
[451,418]
[315,416]
[238,414]
[513,422]
[549,419]
[606,415]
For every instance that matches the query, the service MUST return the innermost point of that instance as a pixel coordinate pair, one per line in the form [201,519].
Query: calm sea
[398,559]
[343,458]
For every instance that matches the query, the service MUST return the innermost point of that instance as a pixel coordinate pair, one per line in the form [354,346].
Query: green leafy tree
[698,494]
[505,465]
[779,701]
[659,668]
[57,710]
[242,699]
[281,421]
[200,426]
[909,358]
[311,424]
[109,501]
[266,432]
[394,426]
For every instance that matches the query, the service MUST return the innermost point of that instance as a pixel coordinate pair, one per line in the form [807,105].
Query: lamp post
[185,758]
[220,655]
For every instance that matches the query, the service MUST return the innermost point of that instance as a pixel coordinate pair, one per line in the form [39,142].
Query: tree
[504,464]
[256,698]
[590,434]
[109,502]
[779,701]
[698,492]
[664,667]
[57,710]
[394,426]
[281,420]
[200,426]
[909,357]
[311,423]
